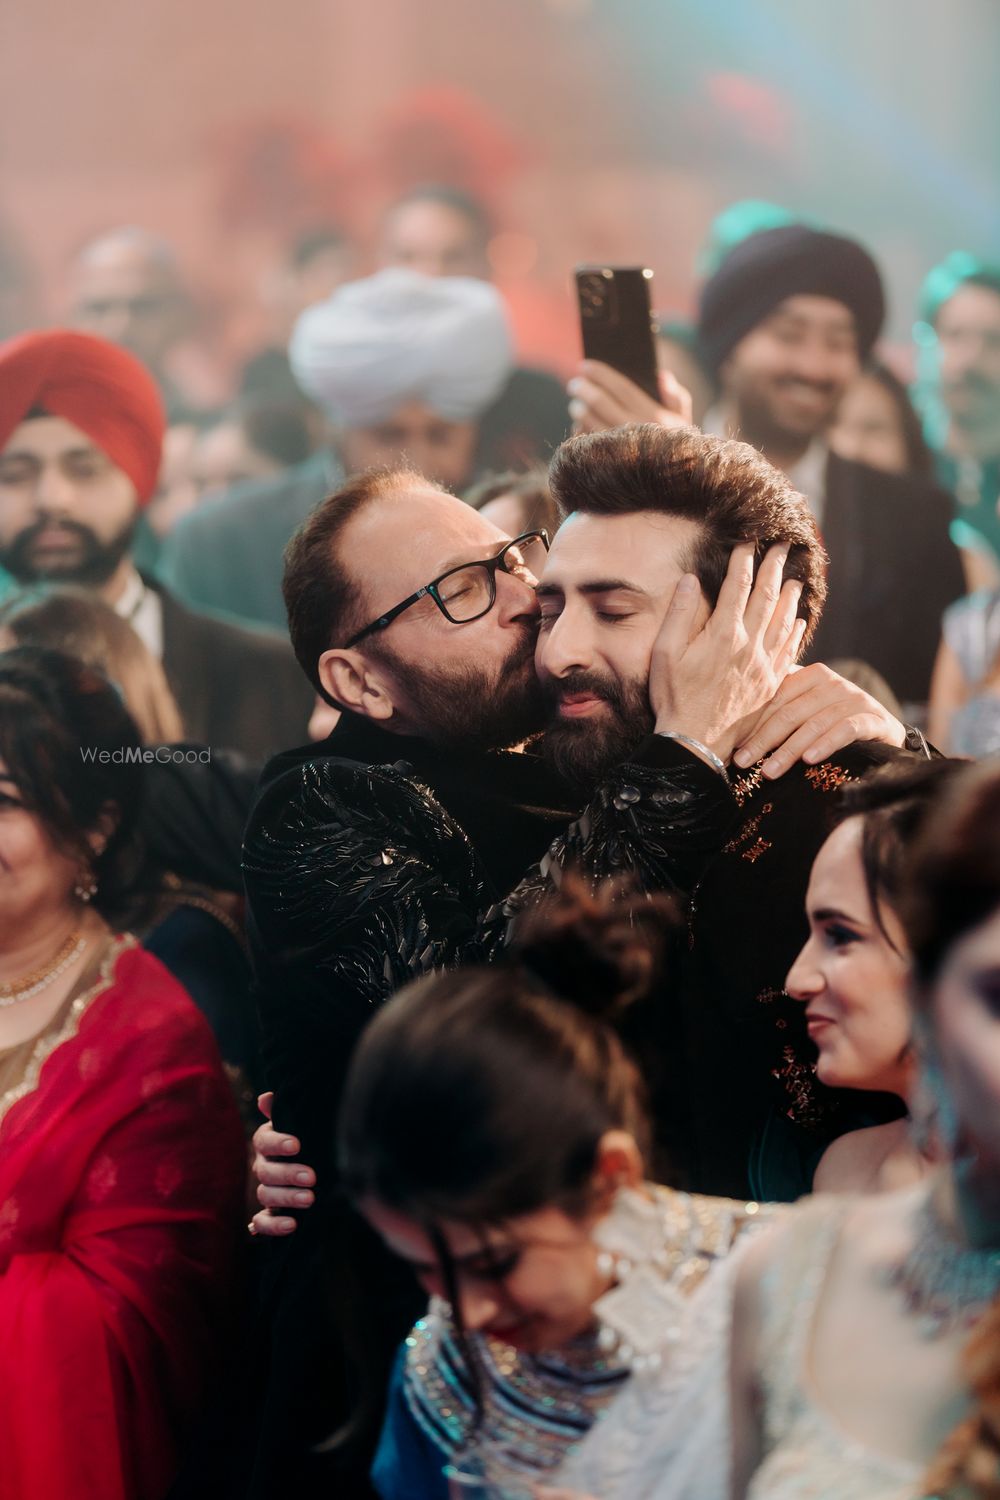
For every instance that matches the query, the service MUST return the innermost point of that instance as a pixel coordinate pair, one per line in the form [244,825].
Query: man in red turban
[81,431]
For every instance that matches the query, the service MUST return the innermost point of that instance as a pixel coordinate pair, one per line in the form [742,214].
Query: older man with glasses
[372,858]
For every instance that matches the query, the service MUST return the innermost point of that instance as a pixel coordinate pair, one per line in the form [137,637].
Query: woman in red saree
[121,1152]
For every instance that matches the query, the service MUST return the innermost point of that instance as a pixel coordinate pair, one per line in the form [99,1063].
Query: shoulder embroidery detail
[749,836]
[48,1042]
[827,777]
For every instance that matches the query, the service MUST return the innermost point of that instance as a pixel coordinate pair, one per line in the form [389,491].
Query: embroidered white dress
[666,1435]
[806,1454]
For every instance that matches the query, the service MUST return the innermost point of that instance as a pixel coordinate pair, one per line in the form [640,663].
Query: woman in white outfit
[850,1322]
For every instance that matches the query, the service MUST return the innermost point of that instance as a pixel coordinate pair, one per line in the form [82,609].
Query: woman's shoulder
[849,1162]
[853,1163]
[797,1241]
[144,1007]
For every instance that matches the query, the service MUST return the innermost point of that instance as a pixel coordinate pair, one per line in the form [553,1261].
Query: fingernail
[687,584]
[289,1146]
[305,1177]
[574,386]
[771,768]
[577,411]
[304,1199]
[811,756]
[743,758]
[285,1226]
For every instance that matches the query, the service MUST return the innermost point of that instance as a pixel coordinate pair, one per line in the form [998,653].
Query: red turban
[94,384]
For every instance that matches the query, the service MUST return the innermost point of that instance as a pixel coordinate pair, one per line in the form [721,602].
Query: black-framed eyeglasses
[469,591]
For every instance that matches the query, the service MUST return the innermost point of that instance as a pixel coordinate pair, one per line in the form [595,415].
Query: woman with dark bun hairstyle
[494,1134]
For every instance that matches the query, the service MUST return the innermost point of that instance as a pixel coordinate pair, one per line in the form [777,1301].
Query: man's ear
[356,683]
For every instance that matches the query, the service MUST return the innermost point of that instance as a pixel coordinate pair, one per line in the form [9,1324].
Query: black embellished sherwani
[372,859]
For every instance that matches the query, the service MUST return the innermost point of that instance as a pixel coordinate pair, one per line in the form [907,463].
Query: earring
[86,886]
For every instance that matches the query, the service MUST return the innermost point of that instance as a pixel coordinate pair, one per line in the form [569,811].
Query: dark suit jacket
[237,689]
[893,571]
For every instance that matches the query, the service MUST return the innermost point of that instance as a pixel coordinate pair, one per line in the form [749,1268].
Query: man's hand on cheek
[711,674]
[814,714]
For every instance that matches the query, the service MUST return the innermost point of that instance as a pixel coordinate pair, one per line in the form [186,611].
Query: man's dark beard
[97,560]
[584,750]
[761,428]
[464,709]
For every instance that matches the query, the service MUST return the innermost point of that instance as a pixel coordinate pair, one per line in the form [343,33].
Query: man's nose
[516,602]
[112,322]
[812,362]
[563,649]
[54,493]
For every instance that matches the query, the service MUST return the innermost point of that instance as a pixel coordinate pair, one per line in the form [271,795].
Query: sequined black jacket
[363,874]
[371,859]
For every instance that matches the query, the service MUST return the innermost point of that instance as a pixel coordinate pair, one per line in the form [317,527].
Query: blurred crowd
[568,817]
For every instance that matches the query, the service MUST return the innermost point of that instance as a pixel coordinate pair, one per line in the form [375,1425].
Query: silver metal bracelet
[710,755]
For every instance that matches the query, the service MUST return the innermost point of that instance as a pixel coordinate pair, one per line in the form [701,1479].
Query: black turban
[765,268]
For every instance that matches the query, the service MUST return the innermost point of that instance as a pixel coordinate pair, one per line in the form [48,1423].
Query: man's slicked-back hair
[324,595]
[728,488]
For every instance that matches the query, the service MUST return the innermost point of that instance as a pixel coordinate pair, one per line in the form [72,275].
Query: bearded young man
[81,434]
[785,323]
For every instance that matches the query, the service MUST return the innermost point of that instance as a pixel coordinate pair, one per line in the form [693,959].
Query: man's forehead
[637,546]
[970,306]
[446,220]
[813,308]
[128,272]
[415,415]
[47,436]
[416,527]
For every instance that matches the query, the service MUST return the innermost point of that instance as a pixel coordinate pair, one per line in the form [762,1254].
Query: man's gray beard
[463,710]
[584,752]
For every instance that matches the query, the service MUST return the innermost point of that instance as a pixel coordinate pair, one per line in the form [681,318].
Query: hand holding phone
[601,397]
[618,382]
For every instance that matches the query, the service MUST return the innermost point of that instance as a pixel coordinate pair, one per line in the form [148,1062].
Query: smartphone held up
[616,321]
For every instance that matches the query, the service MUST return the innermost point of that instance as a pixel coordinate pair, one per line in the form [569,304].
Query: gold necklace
[14,991]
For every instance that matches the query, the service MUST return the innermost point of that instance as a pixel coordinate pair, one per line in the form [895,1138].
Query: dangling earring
[86,886]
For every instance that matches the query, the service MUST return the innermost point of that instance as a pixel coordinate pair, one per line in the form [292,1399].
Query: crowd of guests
[568,818]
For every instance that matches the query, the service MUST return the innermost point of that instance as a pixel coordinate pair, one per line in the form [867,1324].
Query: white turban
[400,336]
